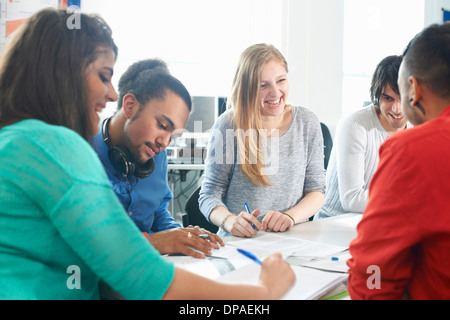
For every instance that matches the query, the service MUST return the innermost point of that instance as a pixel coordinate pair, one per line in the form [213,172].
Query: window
[201,40]
[373,30]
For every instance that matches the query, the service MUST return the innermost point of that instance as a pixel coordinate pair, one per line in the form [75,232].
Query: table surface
[183,166]
[339,230]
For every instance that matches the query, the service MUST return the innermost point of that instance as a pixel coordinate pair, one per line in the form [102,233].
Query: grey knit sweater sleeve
[353,163]
[295,166]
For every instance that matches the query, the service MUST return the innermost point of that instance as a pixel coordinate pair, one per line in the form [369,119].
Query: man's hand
[186,241]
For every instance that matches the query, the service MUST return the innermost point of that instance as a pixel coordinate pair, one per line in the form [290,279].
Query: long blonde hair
[245,102]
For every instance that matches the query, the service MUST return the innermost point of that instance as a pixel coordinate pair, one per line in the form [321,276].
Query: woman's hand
[277,222]
[277,276]
[241,225]
[275,280]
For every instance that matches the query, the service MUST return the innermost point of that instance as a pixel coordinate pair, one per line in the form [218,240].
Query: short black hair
[427,57]
[150,79]
[385,74]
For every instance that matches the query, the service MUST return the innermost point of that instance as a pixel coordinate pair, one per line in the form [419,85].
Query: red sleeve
[381,262]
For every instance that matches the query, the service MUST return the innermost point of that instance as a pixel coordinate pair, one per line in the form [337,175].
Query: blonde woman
[263,152]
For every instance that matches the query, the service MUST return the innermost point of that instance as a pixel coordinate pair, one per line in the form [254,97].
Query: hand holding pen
[248,211]
[246,223]
[275,272]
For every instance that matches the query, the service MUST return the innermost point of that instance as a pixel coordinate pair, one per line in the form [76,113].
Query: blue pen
[250,256]
[248,210]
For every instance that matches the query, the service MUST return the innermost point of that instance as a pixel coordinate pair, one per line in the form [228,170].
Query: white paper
[230,252]
[327,264]
[211,268]
[310,283]
[270,243]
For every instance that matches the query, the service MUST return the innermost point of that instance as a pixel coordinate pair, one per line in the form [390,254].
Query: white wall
[313,45]
[313,42]
[200,39]
[433,10]
[310,33]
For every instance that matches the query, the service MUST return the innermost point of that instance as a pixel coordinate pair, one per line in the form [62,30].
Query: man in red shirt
[403,245]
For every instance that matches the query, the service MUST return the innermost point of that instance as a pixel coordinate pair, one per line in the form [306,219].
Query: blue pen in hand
[248,210]
[250,256]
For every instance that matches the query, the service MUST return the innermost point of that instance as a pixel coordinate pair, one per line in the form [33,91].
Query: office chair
[327,143]
[194,216]
[327,146]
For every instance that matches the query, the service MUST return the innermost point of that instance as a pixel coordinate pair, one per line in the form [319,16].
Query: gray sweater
[353,162]
[295,166]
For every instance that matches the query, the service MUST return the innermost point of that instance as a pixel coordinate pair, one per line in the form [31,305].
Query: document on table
[310,284]
[220,261]
[270,243]
[210,267]
[230,251]
[228,260]
[339,264]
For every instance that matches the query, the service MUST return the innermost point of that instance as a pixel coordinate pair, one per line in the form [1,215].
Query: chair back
[194,216]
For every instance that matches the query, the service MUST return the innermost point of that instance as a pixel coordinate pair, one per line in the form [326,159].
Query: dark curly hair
[150,79]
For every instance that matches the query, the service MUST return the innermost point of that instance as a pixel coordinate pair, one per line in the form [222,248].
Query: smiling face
[150,128]
[390,111]
[100,89]
[274,88]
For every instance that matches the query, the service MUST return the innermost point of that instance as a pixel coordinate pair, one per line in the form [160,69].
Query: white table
[339,230]
[187,167]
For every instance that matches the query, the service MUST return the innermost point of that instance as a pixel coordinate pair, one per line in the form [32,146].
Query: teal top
[61,224]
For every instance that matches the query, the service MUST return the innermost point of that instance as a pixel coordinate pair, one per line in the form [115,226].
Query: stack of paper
[310,261]
[212,267]
[336,264]
[310,284]
[269,243]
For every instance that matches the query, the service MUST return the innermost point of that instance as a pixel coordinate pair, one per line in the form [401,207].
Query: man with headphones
[152,107]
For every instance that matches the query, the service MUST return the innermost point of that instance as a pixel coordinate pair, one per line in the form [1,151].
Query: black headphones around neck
[123,161]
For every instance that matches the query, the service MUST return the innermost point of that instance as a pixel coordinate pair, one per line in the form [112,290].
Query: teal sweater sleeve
[63,212]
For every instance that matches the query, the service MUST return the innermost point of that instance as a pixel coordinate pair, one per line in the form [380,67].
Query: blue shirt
[147,200]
